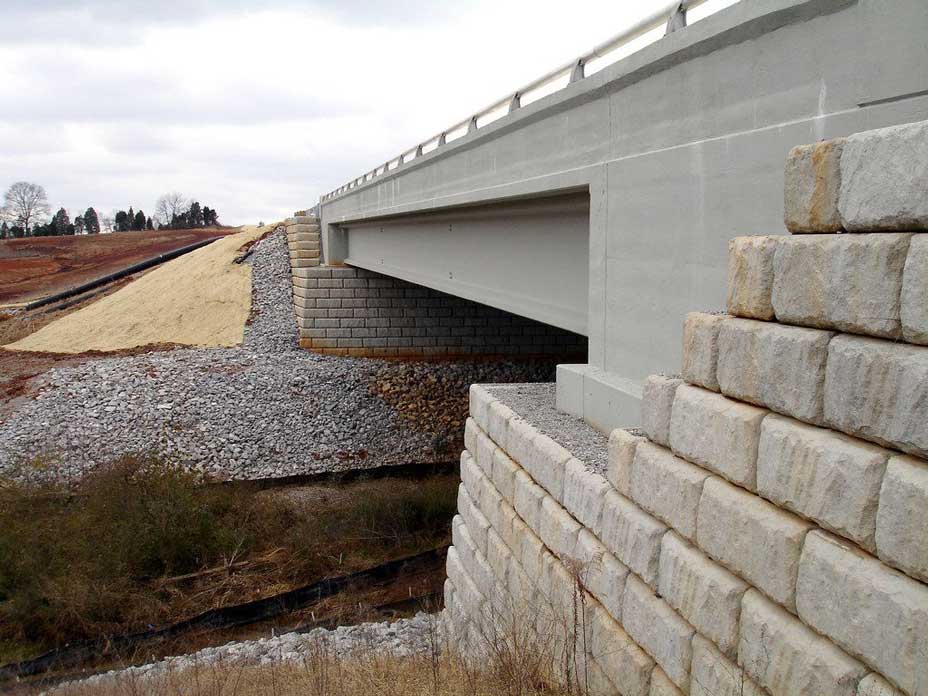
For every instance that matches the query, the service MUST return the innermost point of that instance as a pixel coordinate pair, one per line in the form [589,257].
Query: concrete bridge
[605,207]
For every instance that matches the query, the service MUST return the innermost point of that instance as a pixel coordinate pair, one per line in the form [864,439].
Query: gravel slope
[264,409]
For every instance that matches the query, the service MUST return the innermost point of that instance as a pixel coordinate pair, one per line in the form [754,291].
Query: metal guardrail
[671,14]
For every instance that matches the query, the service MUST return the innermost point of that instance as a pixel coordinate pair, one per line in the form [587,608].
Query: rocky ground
[414,636]
[265,409]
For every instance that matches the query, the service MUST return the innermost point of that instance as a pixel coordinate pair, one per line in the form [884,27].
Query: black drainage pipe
[213,619]
[134,268]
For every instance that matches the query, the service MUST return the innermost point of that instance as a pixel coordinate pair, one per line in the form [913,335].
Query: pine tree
[91,221]
[78,225]
[195,215]
[149,225]
[5,231]
[61,222]
[120,222]
[138,222]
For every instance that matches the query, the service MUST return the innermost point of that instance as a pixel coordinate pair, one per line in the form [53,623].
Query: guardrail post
[576,74]
[442,139]
[515,102]
[472,126]
[677,20]
[418,151]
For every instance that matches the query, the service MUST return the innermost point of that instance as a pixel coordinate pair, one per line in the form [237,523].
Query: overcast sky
[257,108]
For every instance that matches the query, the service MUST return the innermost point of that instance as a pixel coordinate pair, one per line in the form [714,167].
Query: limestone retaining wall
[768,531]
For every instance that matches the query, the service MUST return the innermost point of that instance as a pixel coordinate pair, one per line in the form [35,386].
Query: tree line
[25,213]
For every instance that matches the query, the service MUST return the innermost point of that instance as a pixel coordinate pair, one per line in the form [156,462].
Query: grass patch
[140,544]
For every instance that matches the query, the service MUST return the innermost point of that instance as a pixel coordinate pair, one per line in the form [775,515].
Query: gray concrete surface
[678,147]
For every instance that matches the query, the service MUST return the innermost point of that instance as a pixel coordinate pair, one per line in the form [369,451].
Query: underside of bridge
[529,257]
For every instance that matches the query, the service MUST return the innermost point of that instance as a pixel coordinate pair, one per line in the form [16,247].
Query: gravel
[263,410]
[536,404]
[401,638]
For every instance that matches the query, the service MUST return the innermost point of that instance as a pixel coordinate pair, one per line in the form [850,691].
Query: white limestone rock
[847,282]
[504,474]
[787,658]
[632,535]
[668,487]
[584,492]
[480,400]
[914,299]
[701,349]
[713,674]
[528,499]
[717,433]
[497,427]
[812,184]
[602,573]
[902,520]
[884,176]
[546,461]
[874,612]
[752,538]
[779,367]
[656,402]
[878,390]
[750,277]
[558,530]
[622,445]
[625,663]
[702,591]
[874,685]
[822,475]
[659,630]
[661,684]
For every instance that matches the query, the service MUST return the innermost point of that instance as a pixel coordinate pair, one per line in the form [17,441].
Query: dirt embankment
[38,266]
[200,299]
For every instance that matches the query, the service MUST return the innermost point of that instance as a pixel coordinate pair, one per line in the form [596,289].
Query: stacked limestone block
[356,312]
[769,533]
[305,245]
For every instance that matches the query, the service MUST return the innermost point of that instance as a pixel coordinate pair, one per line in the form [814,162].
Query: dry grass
[141,543]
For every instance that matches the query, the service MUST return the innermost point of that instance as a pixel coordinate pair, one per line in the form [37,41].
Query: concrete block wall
[768,533]
[343,310]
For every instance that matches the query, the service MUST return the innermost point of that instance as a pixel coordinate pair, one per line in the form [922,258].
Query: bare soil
[34,267]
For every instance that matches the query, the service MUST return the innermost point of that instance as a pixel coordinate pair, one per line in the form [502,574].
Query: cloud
[257,108]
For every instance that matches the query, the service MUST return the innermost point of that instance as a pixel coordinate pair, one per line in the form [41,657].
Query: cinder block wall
[352,311]
[769,532]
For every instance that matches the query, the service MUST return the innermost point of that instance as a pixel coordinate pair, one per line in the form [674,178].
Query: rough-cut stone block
[477,523]
[659,630]
[504,475]
[602,574]
[499,557]
[753,538]
[825,476]
[874,685]
[717,433]
[632,535]
[486,449]
[902,520]
[470,435]
[878,390]
[713,674]
[872,611]
[625,663]
[750,276]
[914,307]
[779,367]
[498,416]
[884,176]
[558,529]
[622,445]
[701,348]
[528,499]
[788,658]
[813,181]
[703,592]
[480,400]
[668,487]
[656,402]
[848,282]
[584,491]
[520,438]
[661,684]
[546,463]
